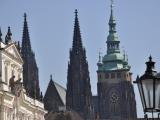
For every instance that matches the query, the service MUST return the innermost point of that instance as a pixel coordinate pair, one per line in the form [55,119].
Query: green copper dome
[114,59]
[113,37]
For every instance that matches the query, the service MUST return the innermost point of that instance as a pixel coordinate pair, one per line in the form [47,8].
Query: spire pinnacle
[150,58]
[25,17]
[112,5]
[51,77]
[100,58]
[9,33]
[112,22]
[0,35]
[76,13]
[112,2]
[26,45]
[8,36]
[77,42]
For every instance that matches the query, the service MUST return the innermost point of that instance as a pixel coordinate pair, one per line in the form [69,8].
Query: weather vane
[112,2]
[100,55]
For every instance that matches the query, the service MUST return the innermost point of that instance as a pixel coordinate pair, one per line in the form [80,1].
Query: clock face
[114,97]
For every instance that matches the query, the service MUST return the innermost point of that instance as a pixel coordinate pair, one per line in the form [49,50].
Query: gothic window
[112,75]
[114,98]
[107,76]
[114,102]
[6,74]
[118,75]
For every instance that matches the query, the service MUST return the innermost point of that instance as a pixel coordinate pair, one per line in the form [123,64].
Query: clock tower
[116,98]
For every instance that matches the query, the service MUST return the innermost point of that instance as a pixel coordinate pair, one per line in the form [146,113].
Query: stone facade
[15,104]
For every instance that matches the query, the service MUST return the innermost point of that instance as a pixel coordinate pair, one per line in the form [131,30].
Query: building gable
[12,51]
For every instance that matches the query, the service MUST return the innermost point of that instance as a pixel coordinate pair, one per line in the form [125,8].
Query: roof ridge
[59,85]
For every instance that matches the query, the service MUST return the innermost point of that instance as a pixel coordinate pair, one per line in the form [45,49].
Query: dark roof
[61,91]
[55,87]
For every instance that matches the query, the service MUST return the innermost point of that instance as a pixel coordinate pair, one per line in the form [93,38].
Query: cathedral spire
[30,68]
[51,77]
[26,45]
[8,36]
[77,42]
[78,95]
[9,33]
[112,39]
[113,54]
[112,22]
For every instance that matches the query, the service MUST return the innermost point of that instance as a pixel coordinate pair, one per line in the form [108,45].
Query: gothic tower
[116,96]
[79,96]
[30,69]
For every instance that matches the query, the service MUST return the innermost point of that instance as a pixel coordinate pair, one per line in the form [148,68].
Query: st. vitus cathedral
[115,98]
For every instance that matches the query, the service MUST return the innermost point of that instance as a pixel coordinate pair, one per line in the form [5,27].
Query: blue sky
[51,32]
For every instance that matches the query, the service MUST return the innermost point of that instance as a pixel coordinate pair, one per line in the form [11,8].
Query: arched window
[107,76]
[114,102]
[6,74]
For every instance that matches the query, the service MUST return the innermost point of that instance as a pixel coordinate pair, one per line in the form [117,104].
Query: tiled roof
[61,91]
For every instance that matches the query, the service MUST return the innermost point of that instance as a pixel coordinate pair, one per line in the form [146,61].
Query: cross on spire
[76,12]
[77,42]
[112,2]
[25,17]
